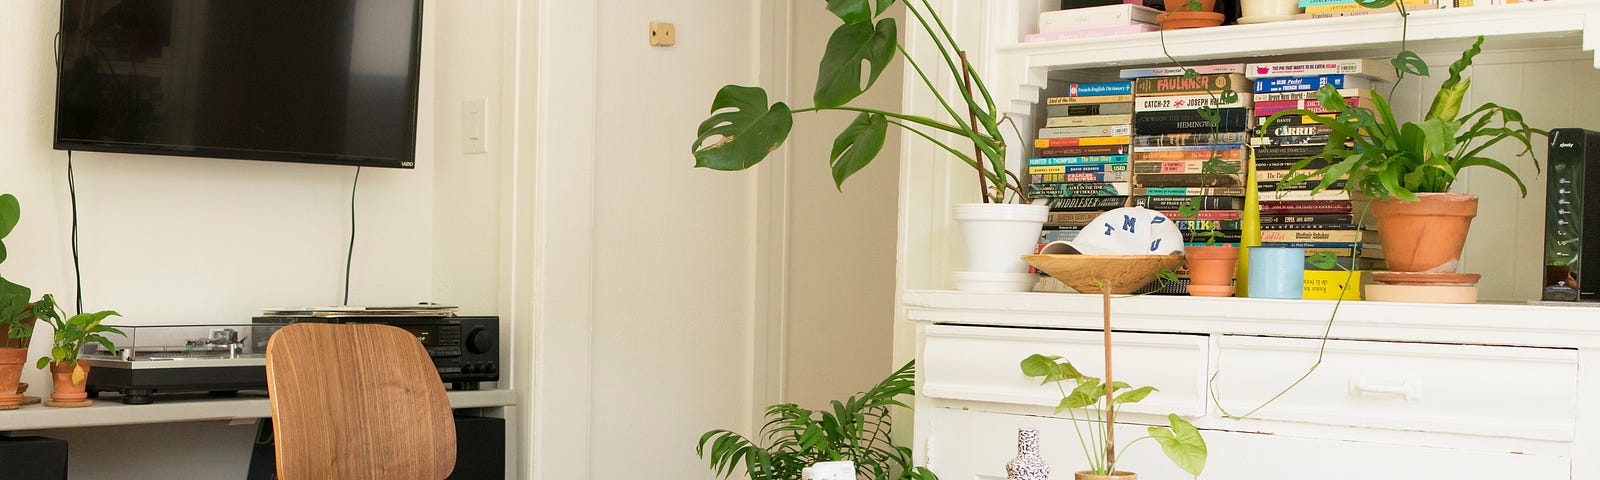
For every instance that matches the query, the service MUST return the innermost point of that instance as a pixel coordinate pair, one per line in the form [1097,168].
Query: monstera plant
[744,127]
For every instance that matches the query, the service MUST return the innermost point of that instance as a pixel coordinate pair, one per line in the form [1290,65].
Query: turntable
[218,358]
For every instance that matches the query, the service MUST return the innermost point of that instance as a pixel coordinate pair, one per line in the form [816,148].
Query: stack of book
[1291,216]
[1174,143]
[1345,8]
[1080,166]
[1099,21]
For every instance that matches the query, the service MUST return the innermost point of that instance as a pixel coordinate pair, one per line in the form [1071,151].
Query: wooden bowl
[1126,273]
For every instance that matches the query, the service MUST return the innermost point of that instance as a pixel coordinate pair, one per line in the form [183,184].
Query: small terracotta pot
[11,361]
[66,391]
[1119,475]
[1177,5]
[1211,270]
[1426,235]
[7,342]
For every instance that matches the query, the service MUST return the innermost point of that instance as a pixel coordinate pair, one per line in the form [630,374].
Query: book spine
[1266,156]
[1307,220]
[1075,132]
[1085,203]
[1083,151]
[1126,98]
[1309,226]
[1302,140]
[1191,139]
[1324,67]
[1132,73]
[1080,177]
[1180,166]
[1264,109]
[1304,186]
[1188,102]
[1175,203]
[1346,246]
[1308,95]
[1072,110]
[1161,180]
[1088,121]
[1198,84]
[1189,148]
[1189,191]
[1352,6]
[1269,207]
[1206,215]
[1298,130]
[1071,218]
[1321,236]
[1208,224]
[1304,195]
[1098,89]
[1050,161]
[1231,154]
[1279,175]
[1080,141]
[1301,84]
[1058,234]
[1189,121]
[1069,190]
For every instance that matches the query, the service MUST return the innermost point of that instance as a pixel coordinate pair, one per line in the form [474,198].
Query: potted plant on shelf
[67,373]
[856,430]
[744,128]
[1099,403]
[1407,168]
[17,314]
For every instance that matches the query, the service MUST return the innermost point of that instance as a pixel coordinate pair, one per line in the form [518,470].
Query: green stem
[920,120]
[1125,448]
[1405,26]
[960,121]
[970,162]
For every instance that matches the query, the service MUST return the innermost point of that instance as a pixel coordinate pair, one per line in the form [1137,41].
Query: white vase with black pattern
[1028,465]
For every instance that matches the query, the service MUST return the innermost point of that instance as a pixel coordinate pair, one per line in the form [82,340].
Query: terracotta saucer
[1210,290]
[1188,19]
[1426,278]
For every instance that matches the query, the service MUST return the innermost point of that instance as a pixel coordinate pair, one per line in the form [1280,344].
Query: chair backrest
[353,401]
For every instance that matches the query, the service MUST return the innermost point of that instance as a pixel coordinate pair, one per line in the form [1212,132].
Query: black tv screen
[316,81]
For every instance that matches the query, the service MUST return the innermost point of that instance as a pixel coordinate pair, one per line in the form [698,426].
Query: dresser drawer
[983,364]
[1494,391]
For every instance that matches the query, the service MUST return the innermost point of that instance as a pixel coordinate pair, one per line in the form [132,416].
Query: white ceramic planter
[999,234]
[1261,11]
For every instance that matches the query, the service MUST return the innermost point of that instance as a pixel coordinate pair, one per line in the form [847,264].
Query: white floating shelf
[1574,326]
[186,408]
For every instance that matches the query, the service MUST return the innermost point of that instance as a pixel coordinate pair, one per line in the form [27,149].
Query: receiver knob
[479,340]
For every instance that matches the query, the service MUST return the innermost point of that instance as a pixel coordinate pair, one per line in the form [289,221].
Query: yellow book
[1080,141]
[1346,7]
[1328,284]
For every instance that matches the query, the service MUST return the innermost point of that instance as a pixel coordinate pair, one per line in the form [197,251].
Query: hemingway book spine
[1190,121]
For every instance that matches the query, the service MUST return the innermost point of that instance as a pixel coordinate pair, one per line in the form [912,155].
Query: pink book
[1090,32]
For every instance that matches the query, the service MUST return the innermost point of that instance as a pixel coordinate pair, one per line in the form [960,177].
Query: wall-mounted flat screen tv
[314,81]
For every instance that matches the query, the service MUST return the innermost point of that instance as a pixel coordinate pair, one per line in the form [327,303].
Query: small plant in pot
[17,314]
[67,373]
[1407,168]
[1211,267]
[1093,407]
[745,128]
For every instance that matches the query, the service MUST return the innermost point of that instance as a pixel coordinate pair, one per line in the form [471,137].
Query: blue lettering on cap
[1128,222]
[1155,245]
[1109,228]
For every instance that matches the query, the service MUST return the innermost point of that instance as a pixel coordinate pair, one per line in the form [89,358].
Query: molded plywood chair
[357,402]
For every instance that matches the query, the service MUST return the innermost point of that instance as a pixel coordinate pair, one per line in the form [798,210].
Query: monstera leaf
[857,11]
[839,76]
[746,129]
[10,212]
[857,146]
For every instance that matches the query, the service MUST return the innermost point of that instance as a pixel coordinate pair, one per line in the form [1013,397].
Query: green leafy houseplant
[72,334]
[856,429]
[1388,159]
[15,307]
[1180,440]
[744,128]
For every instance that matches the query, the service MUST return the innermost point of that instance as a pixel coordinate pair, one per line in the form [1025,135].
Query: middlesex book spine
[1079,204]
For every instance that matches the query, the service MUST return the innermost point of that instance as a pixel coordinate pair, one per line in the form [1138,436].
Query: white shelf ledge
[1575,326]
[184,408]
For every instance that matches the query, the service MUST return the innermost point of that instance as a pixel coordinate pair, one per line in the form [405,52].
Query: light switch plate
[474,126]
[663,34]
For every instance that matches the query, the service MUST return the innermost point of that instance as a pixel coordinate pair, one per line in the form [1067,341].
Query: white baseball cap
[1124,231]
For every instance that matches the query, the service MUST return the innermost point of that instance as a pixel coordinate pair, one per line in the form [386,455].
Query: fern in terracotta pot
[1407,168]
[68,374]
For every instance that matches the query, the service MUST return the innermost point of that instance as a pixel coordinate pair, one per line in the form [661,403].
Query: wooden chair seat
[357,402]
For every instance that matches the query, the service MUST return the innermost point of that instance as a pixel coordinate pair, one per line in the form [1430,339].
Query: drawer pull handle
[1359,386]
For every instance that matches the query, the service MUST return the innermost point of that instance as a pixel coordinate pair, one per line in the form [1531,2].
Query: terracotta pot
[7,342]
[1086,475]
[66,391]
[1211,270]
[11,361]
[1205,5]
[1426,235]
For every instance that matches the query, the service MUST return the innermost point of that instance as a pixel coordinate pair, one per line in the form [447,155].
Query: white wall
[184,240]
[840,321]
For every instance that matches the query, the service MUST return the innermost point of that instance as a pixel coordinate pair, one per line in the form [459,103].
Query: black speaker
[34,458]
[480,448]
[1572,216]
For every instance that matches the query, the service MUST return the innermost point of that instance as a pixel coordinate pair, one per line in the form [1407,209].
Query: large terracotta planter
[68,393]
[1085,475]
[7,342]
[1426,235]
[11,362]
[1211,270]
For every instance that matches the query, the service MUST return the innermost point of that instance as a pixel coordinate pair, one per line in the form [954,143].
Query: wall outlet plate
[663,34]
